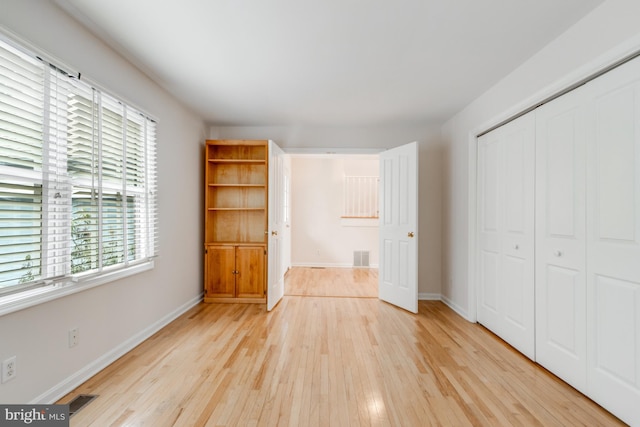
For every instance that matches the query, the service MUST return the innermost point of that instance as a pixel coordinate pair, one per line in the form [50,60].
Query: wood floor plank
[332,282]
[324,361]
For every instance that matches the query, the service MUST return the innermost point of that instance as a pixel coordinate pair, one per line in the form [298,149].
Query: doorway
[334,240]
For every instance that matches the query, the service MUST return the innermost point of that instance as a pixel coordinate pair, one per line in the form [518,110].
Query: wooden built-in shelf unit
[236,201]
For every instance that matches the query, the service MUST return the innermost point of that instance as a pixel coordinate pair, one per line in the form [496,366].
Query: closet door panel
[489,277]
[490,226]
[616,330]
[561,171]
[518,236]
[506,224]
[514,274]
[613,248]
[615,167]
[563,326]
[516,160]
[490,153]
[560,237]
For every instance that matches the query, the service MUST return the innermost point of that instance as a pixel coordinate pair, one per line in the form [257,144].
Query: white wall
[319,237]
[608,33]
[345,139]
[112,317]
[373,139]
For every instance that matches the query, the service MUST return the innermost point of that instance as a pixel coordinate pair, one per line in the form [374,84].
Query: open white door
[275,273]
[398,272]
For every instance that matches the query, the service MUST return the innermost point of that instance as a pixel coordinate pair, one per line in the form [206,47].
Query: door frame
[376,152]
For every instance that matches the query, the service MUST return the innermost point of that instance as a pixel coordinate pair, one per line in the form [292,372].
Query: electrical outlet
[74,337]
[9,371]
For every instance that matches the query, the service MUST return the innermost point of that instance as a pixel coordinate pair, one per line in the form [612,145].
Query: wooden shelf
[238,185]
[238,161]
[235,209]
[234,243]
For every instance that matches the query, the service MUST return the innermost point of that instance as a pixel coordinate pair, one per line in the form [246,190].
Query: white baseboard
[328,265]
[424,296]
[455,307]
[320,265]
[68,384]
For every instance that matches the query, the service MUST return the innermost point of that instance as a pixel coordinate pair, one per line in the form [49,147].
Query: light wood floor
[334,282]
[321,361]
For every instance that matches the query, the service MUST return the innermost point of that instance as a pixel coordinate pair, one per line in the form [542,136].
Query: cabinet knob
[516,247]
[557,253]
[274,233]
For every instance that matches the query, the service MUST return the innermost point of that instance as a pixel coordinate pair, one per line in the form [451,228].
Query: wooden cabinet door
[220,272]
[250,272]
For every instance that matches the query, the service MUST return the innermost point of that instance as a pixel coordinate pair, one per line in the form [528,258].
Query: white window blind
[77,177]
[360,197]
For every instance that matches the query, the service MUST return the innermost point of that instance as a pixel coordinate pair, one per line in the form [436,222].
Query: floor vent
[79,402]
[361,258]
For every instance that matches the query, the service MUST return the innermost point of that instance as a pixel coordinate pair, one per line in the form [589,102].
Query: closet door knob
[410,234]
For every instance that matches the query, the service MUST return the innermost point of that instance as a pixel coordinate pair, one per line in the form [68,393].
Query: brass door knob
[410,234]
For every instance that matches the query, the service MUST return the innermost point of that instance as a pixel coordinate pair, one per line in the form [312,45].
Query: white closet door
[506,232]
[613,230]
[560,286]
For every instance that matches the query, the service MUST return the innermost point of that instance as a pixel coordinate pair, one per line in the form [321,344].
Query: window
[77,177]
[360,197]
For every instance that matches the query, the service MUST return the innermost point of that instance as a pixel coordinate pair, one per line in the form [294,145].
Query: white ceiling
[327,62]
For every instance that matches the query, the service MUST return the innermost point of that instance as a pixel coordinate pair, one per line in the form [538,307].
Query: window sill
[20,301]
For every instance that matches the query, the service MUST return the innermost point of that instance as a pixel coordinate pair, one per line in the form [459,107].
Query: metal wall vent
[361,258]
